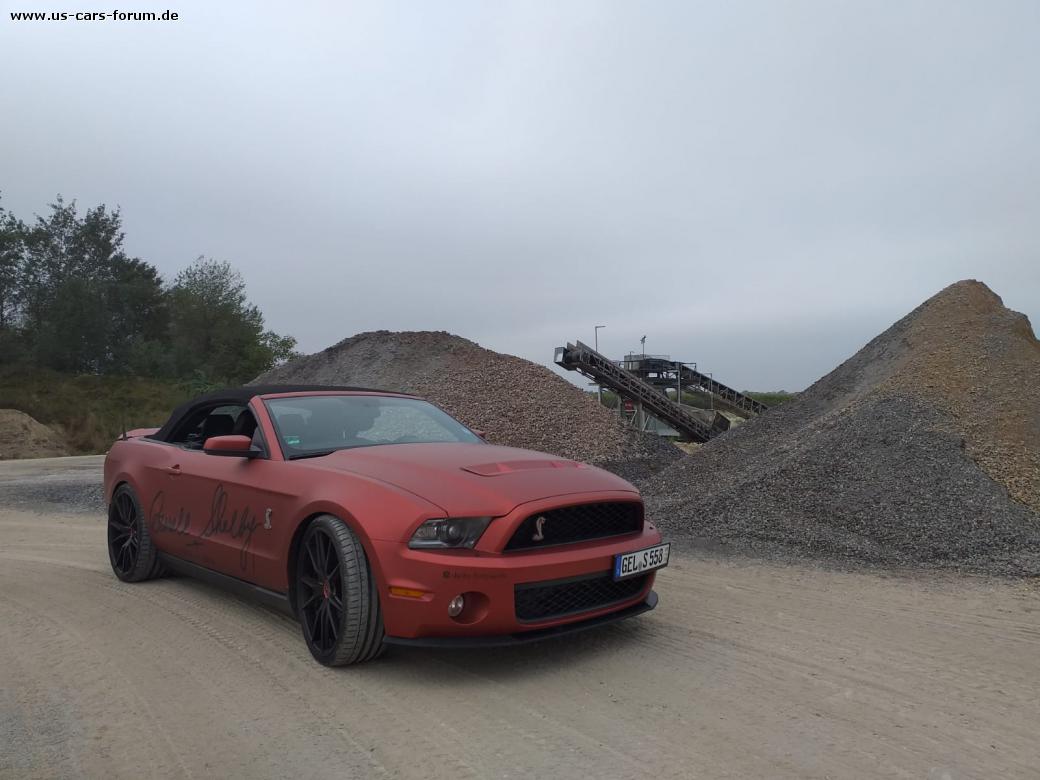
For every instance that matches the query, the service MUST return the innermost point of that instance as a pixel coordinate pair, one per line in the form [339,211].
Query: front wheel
[336,596]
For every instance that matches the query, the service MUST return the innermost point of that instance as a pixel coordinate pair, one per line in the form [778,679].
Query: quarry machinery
[663,373]
[644,379]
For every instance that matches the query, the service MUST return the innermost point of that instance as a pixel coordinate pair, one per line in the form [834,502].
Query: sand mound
[924,447]
[517,402]
[23,437]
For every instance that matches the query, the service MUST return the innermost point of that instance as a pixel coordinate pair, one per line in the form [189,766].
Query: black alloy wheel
[130,549]
[321,605]
[336,597]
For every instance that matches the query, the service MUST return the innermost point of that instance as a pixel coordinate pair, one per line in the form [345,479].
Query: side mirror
[231,447]
[481,434]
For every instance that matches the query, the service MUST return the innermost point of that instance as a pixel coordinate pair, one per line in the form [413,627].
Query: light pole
[599,388]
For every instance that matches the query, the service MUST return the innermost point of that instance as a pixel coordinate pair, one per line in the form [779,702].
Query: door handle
[173,471]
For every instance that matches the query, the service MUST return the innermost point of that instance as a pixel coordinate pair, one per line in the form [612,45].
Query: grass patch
[90,411]
[772,398]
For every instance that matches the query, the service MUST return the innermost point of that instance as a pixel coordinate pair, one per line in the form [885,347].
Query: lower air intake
[546,601]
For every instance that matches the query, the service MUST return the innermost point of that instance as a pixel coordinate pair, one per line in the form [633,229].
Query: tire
[337,600]
[131,550]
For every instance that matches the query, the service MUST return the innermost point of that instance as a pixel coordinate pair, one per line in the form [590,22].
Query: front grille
[544,601]
[577,523]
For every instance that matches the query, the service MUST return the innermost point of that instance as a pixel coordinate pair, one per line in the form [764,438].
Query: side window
[217,421]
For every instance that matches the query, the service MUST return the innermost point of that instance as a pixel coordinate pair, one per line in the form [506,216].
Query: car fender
[378,509]
[384,513]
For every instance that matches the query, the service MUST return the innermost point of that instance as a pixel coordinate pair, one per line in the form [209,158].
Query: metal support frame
[599,388]
[661,372]
[645,379]
[646,398]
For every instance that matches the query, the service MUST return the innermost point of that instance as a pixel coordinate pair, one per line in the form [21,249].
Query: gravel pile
[923,448]
[22,436]
[517,402]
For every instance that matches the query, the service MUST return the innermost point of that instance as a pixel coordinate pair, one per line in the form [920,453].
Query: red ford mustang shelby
[375,518]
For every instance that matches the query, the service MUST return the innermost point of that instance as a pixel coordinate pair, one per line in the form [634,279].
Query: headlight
[449,533]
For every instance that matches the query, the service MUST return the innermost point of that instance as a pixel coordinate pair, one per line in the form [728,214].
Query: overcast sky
[758,187]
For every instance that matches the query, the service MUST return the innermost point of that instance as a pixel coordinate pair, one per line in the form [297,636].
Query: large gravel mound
[517,402]
[924,447]
[21,436]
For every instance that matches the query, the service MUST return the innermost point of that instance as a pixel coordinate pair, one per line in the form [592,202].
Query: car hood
[467,480]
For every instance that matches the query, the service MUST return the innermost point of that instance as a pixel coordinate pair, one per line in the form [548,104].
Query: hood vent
[510,466]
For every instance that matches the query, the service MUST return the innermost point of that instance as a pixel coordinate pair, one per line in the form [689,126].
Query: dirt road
[745,670]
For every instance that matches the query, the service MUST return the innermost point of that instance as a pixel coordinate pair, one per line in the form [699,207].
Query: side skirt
[247,590]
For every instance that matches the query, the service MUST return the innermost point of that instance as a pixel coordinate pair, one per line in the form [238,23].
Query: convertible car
[375,518]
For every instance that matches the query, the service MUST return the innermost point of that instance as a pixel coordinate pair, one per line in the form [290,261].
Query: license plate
[641,561]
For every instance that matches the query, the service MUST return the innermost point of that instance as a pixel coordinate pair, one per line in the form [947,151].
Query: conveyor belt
[650,369]
[600,369]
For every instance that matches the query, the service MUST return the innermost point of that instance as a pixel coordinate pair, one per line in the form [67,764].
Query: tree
[138,319]
[12,233]
[86,306]
[72,300]
[46,263]
[216,334]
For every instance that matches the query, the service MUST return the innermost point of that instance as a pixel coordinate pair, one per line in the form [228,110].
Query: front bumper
[526,637]
[488,581]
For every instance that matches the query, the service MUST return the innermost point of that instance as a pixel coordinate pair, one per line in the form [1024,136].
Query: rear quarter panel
[141,463]
[125,462]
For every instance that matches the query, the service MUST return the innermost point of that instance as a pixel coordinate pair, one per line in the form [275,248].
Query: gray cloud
[760,187]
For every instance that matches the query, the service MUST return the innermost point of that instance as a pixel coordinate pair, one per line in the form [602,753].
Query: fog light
[456,605]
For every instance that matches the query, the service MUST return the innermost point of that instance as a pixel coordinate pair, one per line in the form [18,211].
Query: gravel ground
[743,670]
[517,402]
[879,461]
[71,484]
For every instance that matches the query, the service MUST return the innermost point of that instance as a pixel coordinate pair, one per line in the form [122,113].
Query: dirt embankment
[23,437]
[923,447]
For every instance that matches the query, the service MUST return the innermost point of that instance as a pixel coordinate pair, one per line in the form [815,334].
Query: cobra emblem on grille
[538,524]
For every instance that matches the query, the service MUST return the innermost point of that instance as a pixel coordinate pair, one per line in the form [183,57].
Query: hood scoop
[511,466]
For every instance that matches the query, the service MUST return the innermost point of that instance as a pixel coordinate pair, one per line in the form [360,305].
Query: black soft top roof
[242,395]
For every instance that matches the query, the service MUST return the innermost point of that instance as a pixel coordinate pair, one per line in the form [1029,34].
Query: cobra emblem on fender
[538,534]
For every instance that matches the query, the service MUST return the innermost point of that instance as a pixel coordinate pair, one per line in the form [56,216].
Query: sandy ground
[747,669]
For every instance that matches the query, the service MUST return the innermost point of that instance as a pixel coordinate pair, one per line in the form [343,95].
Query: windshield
[316,425]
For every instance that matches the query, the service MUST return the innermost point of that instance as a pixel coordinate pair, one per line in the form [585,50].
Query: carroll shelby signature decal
[164,523]
[240,524]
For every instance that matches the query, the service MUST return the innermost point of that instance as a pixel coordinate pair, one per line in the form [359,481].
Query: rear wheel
[336,596]
[130,549]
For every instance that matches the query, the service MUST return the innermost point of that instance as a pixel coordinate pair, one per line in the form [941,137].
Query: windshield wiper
[319,454]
